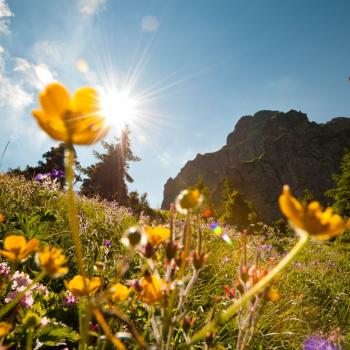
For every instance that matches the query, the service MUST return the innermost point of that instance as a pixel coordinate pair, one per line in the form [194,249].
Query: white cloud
[5,14]
[13,94]
[45,51]
[18,78]
[89,8]
[149,23]
[34,75]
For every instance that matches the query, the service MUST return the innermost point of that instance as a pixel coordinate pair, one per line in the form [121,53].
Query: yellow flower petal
[152,289]
[17,248]
[14,243]
[156,235]
[320,224]
[4,328]
[119,292]
[85,101]
[54,127]
[77,286]
[51,259]
[94,285]
[55,99]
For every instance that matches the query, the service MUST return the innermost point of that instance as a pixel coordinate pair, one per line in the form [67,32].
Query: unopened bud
[99,266]
[171,249]
[149,251]
[199,260]
[134,237]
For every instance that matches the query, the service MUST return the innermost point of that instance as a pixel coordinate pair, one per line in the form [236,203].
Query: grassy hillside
[314,291]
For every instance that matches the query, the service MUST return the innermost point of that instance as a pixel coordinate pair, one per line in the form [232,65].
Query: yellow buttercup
[16,248]
[320,224]
[75,119]
[51,259]
[82,286]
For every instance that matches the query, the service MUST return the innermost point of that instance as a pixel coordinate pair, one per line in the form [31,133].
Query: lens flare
[118,107]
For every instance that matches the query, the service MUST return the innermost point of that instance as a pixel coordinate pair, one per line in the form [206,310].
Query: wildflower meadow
[83,273]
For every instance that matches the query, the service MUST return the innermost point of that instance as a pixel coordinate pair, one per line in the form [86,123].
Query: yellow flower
[77,286]
[2,218]
[156,235]
[17,248]
[75,119]
[51,259]
[4,328]
[152,289]
[188,199]
[320,224]
[119,292]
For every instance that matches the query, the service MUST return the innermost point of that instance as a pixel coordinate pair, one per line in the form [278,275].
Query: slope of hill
[266,151]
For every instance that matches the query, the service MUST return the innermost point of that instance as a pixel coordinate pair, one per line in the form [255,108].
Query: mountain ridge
[265,151]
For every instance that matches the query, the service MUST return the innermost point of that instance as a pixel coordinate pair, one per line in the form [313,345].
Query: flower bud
[99,266]
[171,249]
[148,251]
[187,323]
[199,260]
[188,199]
[244,273]
[133,237]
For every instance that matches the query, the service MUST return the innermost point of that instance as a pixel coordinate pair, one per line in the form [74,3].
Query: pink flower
[69,299]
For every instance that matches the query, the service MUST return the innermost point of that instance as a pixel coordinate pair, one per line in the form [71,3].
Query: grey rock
[266,151]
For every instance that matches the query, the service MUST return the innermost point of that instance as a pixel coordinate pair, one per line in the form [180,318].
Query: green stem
[20,295]
[72,208]
[226,314]
[74,226]
[186,250]
[29,340]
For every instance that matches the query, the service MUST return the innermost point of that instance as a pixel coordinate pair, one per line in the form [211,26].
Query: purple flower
[315,342]
[55,174]
[40,177]
[107,243]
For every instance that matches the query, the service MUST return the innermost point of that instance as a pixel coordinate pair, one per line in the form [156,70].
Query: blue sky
[202,63]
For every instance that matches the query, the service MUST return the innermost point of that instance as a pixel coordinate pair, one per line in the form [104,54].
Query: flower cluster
[53,175]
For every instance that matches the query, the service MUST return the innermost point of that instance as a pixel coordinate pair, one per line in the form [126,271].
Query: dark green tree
[234,209]
[107,178]
[139,203]
[340,194]
[204,190]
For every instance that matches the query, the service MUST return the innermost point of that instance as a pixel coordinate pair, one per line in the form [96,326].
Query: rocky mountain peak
[265,151]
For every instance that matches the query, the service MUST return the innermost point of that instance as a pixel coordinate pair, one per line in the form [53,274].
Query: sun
[118,106]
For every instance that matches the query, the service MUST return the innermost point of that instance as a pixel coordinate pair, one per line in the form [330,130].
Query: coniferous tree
[107,178]
[204,190]
[341,192]
[235,210]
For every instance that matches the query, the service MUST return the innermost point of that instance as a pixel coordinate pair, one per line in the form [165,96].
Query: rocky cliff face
[266,151]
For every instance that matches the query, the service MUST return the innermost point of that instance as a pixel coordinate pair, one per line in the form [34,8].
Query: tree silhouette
[341,192]
[107,178]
